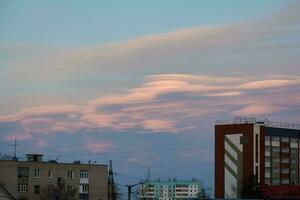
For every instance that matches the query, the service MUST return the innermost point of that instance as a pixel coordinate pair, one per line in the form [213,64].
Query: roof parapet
[253,120]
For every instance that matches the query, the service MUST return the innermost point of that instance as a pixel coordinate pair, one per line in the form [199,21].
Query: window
[284,149]
[70,188]
[294,140]
[70,174]
[294,150]
[50,174]
[275,181]
[275,149]
[267,138]
[293,161]
[294,182]
[267,148]
[22,188]
[267,159]
[267,169]
[23,171]
[84,188]
[275,139]
[284,139]
[84,174]
[275,160]
[37,173]
[293,171]
[50,188]
[285,181]
[37,189]
[285,170]
[285,160]
[275,170]
[83,196]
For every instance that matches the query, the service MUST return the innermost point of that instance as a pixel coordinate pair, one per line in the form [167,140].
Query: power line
[138,151]
[127,176]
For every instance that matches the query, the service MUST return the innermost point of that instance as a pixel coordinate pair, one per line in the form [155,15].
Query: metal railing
[253,120]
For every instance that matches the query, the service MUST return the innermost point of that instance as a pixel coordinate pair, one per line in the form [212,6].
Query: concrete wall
[97,177]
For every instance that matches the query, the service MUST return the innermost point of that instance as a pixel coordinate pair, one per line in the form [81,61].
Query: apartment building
[247,147]
[171,190]
[27,180]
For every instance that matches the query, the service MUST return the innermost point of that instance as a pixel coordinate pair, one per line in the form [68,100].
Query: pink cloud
[257,110]
[164,103]
[42,143]
[160,125]
[275,83]
[98,147]
[18,136]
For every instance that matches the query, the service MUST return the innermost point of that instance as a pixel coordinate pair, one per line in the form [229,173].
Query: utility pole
[15,150]
[129,187]
[111,184]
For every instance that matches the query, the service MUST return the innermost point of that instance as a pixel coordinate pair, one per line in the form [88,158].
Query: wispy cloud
[239,47]
[188,75]
[165,103]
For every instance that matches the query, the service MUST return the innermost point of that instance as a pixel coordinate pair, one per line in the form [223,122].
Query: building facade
[171,190]
[29,179]
[269,151]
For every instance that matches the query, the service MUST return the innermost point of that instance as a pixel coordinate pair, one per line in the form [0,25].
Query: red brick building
[270,151]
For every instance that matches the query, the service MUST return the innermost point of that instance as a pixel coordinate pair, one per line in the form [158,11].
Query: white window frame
[70,174]
[50,173]
[22,188]
[84,174]
[84,188]
[37,173]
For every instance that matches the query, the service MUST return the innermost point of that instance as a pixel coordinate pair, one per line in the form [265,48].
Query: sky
[142,83]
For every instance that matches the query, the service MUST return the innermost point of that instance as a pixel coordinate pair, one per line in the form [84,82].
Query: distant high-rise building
[172,189]
[30,179]
[247,148]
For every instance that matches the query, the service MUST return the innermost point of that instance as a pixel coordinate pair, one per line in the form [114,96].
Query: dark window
[37,173]
[70,174]
[50,188]
[50,173]
[23,171]
[256,149]
[83,196]
[70,188]
[243,139]
[59,181]
[37,189]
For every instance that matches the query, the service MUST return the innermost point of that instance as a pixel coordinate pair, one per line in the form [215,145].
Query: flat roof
[54,163]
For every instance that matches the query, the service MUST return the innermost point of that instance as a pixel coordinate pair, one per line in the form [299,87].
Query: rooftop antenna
[15,149]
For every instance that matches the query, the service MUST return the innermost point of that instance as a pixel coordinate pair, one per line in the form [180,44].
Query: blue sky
[142,83]
[82,23]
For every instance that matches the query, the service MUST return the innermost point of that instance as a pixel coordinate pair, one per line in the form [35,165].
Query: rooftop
[253,120]
[172,181]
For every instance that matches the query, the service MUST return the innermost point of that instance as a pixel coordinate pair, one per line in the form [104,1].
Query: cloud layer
[164,103]
[167,83]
